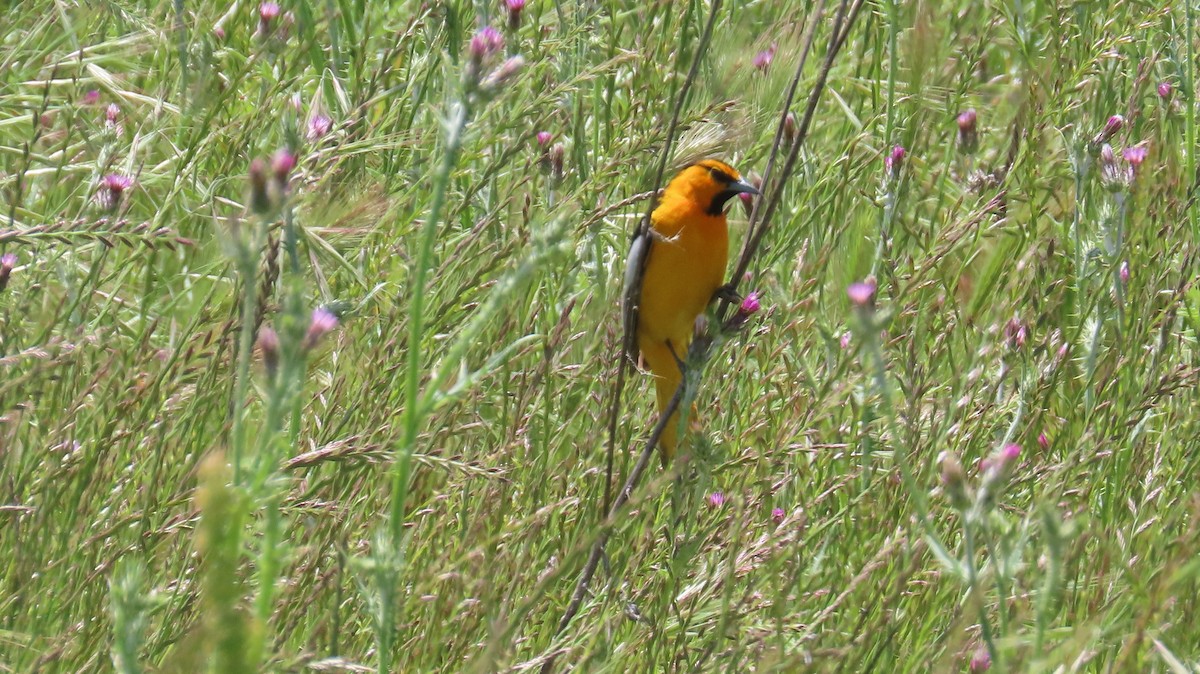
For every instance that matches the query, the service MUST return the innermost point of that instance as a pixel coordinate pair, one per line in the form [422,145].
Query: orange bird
[684,255]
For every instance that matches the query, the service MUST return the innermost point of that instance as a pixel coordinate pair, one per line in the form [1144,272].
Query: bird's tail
[667,377]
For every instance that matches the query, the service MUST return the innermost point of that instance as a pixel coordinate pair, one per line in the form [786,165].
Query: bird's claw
[729,294]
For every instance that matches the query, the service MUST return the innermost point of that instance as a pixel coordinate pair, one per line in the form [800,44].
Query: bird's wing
[631,295]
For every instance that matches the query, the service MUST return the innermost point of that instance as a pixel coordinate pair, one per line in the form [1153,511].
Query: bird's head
[709,184]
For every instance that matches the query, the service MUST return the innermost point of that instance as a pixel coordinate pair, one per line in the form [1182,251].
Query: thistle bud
[268,346]
[514,7]
[260,198]
[281,166]
[750,305]
[495,81]
[1164,91]
[968,136]
[1111,127]
[8,262]
[954,480]
[557,158]
[895,161]
[790,129]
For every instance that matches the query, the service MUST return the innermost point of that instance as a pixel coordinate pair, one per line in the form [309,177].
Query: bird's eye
[717,175]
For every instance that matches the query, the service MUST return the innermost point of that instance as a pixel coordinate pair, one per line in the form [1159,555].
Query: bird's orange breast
[685,267]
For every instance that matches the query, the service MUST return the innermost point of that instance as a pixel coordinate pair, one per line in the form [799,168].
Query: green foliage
[418,489]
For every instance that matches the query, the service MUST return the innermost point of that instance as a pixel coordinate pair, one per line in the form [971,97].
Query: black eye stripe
[719,175]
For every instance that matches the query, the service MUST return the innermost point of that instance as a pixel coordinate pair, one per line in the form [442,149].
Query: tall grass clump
[310,338]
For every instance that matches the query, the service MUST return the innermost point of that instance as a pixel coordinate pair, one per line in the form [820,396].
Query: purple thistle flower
[968,136]
[1135,155]
[1111,127]
[845,340]
[319,125]
[112,189]
[716,499]
[91,98]
[778,515]
[762,60]
[1010,452]
[981,661]
[323,320]
[1165,90]
[750,305]
[862,293]
[895,160]
[1123,272]
[7,262]
[268,346]
[282,164]
[112,114]
[260,199]
[1043,441]
[514,7]
[544,138]
[486,42]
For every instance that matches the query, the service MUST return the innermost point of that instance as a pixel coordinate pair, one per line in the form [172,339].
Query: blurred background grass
[119,339]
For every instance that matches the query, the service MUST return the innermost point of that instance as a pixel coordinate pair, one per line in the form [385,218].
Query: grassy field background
[417,489]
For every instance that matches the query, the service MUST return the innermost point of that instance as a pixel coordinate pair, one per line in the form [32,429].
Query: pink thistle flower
[282,164]
[1165,90]
[91,98]
[514,7]
[1123,272]
[268,12]
[112,188]
[319,125]
[1043,441]
[778,515]
[1016,333]
[544,138]
[762,60]
[967,119]
[981,661]
[1135,155]
[112,114]
[790,128]
[1011,452]
[750,305]
[496,79]
[895,160]
[716,499]
[1111,127]
[260,199]
[7,262]
[968,136]
[862,293]
[845,340]
[268,346]
[486,42]
[323,321]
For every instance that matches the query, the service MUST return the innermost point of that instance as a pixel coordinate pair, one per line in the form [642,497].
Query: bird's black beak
[741,187]
[731,190]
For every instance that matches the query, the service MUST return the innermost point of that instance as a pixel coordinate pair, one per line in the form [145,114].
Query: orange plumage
[685,257]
